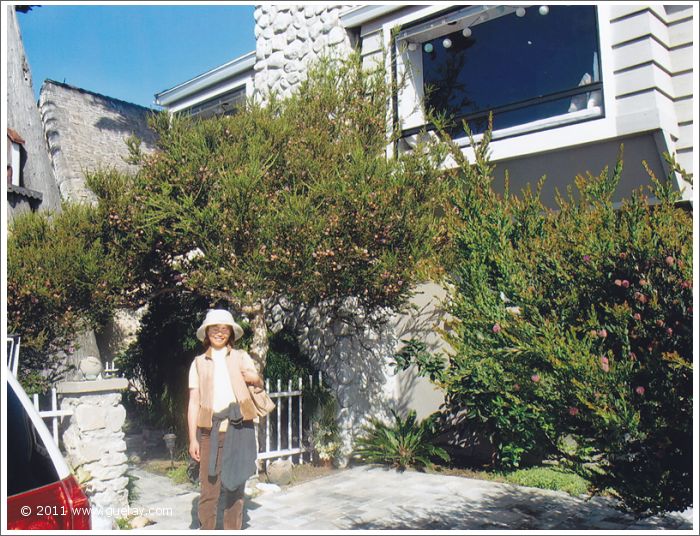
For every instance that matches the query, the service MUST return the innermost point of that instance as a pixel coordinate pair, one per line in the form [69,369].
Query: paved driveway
[378,498]
[371,498]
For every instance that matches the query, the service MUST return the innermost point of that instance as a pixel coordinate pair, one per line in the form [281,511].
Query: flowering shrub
[576,324]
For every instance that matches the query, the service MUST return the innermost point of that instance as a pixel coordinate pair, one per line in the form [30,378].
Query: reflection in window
[527,65]
[225,104]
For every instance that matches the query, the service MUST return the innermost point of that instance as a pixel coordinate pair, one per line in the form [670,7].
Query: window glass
[226,104]
[513,61]
[29,464]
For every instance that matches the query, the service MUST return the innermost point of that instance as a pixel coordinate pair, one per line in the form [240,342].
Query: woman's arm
[192,411]
[250,372]
[252,378]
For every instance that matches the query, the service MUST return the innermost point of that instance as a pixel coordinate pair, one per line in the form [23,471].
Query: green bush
[62,278]
[405,443]
[550,478]
[577,323]
[295,197]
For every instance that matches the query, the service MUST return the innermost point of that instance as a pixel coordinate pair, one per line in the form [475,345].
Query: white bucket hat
[219,316]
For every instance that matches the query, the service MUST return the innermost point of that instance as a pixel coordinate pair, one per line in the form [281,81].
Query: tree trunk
[260,344]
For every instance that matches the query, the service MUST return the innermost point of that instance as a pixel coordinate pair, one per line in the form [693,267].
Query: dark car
[42,494]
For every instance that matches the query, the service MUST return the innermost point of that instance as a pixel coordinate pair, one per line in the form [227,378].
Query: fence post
[301,421]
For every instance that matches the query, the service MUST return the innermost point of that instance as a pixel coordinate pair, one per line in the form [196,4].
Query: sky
[132,52]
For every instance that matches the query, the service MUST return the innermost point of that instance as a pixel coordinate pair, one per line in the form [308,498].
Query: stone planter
[90,367]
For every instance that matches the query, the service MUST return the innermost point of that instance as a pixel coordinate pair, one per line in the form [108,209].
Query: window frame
[409,112]
[203,109]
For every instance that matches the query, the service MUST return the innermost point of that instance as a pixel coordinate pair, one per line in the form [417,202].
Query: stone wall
[354,349]
[288,38]
[94,440]
[86,131]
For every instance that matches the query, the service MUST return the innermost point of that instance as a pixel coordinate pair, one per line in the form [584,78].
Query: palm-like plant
[405,443]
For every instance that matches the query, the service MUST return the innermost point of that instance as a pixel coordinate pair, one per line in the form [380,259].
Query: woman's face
[218,335]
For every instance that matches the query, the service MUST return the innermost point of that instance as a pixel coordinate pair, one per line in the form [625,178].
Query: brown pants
[211,489]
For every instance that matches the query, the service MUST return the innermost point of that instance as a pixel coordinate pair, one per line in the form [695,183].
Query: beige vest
[205,371]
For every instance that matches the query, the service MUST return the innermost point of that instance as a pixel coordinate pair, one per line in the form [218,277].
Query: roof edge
[87,91]
[234,67]
[359,15]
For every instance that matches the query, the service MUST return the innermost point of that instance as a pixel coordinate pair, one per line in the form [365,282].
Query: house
[568,85]
[30,180]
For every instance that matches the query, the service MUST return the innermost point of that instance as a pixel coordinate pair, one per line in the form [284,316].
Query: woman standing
[220,419]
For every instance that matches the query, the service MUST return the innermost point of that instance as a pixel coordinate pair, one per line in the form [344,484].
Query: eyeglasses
[219,329]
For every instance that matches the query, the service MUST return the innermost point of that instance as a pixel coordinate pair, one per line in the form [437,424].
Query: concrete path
[171,506]
[370,497]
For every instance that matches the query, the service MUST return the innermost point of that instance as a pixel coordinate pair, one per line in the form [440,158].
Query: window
[225,104]
[29,463]
[15,149]
[534,67]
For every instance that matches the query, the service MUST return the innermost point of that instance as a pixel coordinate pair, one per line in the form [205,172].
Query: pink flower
[643,282]
[604,364]
[670,260]
[637,316]
[535,378]
[618,282]
[623,255]
[603,333]
[632,356]
[625,283]
[516,387]
[593,333]
[586,258]
[496,328]
[639,390]
[669,331]
[686,284]
[573,411]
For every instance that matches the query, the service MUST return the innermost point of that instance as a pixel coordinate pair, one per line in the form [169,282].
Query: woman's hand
[252,378]
[194,450]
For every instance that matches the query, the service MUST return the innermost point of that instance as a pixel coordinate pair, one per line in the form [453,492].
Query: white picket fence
[282,430]
[13,343]
[289,414]
[54,414]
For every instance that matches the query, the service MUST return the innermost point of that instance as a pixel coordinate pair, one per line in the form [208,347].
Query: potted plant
[325,434]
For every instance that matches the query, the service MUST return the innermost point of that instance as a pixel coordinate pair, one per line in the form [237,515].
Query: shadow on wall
[426,315]
[127,127]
